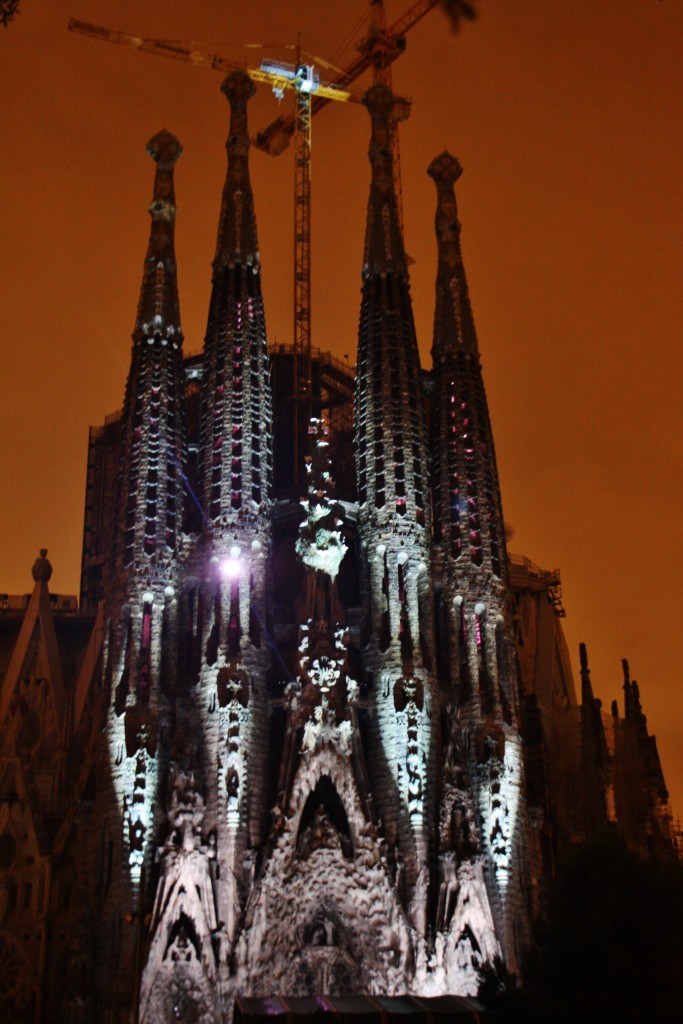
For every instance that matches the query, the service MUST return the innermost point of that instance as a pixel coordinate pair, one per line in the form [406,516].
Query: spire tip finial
[164,148]
[379,100]
[238,87]
[445,168]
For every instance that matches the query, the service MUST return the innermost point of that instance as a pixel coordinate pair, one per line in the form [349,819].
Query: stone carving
[320,544]
[185,931]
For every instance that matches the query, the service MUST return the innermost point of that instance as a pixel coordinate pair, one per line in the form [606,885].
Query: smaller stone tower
[482,812]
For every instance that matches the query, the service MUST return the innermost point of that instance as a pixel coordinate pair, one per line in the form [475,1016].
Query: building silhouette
[312,730]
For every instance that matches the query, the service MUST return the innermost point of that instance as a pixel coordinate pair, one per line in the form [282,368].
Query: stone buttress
[395,526]
[482,804]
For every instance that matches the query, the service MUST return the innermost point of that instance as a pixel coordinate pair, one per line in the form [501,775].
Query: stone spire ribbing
[236,404]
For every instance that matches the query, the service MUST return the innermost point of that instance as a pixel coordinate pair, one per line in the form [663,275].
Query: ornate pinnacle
[165,149]
[383,242]
[453,320]
[158,309]
[237,238]
[239,88]
[445,169]
[42,570]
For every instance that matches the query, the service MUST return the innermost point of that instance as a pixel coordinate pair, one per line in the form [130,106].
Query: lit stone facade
[301,740]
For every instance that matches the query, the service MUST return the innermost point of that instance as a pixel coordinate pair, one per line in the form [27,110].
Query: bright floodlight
[230,567]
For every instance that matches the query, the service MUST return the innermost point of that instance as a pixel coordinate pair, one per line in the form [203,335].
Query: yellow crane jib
[303,78]
[161,47]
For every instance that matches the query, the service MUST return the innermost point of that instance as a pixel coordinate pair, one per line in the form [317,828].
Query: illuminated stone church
[312,731]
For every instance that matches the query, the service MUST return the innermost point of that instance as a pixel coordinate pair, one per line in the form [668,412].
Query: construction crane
[377,51]
[304,80]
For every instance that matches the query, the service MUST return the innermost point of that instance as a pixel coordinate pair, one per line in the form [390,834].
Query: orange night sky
[566,117]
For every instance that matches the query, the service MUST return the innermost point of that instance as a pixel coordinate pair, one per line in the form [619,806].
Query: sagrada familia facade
[312,730]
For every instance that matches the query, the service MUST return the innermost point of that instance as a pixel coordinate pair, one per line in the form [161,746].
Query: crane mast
[302,272]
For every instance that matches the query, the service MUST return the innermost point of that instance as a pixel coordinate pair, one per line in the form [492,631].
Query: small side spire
[384,251]
[158,308]
[453,320]
[629,705]
[237,237]
[586,688]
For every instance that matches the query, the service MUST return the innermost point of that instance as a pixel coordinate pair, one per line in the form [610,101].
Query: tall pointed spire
[153,438]
[148,515]
[237,238]
[236,475]
[390,434]
[475,638]
[158,309]
[394,516]
[453,320]
[468,516]
[383,240]
[236,403]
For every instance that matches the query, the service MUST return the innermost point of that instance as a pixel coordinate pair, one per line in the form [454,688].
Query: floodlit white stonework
[311,796]
[297,755]
[320,544]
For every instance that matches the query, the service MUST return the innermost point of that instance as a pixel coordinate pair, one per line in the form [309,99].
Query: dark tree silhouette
[457,11]
[8,8]
[610,948]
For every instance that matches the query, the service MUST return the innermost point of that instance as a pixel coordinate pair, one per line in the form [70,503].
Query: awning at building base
[357,1010]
